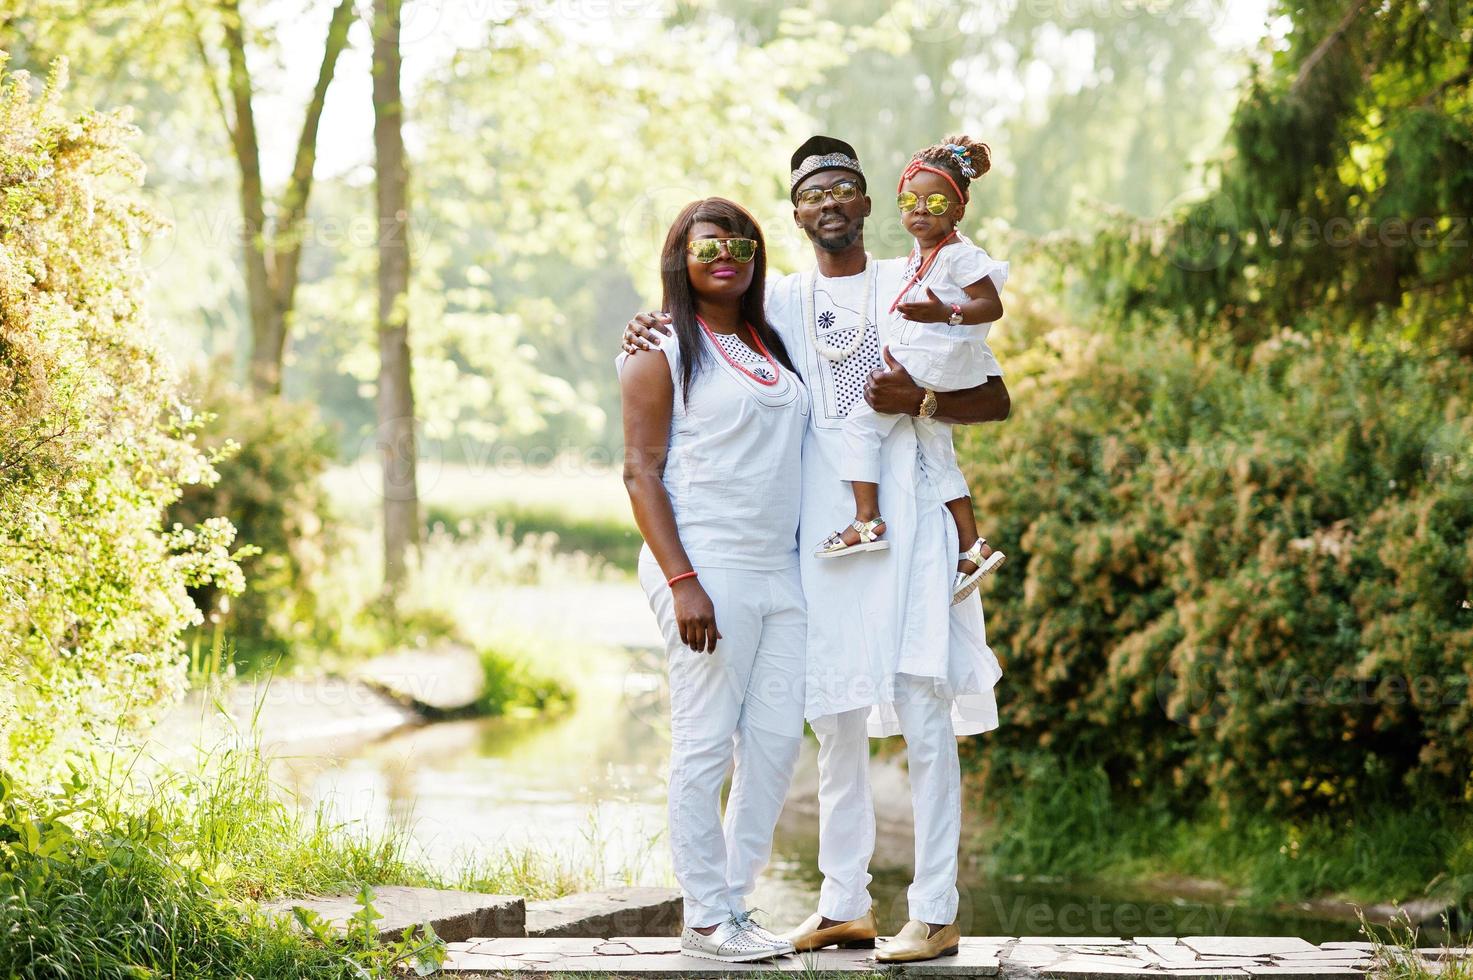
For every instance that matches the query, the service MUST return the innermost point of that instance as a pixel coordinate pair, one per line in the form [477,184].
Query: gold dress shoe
[857,933]
[912,943]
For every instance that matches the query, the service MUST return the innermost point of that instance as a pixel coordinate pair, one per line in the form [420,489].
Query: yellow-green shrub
[1238,580]
[93,444]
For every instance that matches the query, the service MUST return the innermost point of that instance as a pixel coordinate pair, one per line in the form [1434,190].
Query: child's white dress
[938,356]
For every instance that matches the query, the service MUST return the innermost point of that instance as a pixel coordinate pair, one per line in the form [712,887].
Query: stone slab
[531,956]
[1247,945]
[830,961]
[1316,955]
[1073,940]
[650,944]
[618,912]
[1111,962]
[523,946]
[460,961]
[1175,967]
[658,957]
[440,683]
[1034,954]
[1173,952]
[455,915]
[1446,952]
[1078,969]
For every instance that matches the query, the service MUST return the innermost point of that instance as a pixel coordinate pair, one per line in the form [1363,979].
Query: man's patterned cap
[823,153]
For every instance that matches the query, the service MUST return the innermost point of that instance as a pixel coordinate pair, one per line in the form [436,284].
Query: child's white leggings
[743,704]
[864,431]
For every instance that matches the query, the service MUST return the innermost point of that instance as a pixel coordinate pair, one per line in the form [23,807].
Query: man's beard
[838,242]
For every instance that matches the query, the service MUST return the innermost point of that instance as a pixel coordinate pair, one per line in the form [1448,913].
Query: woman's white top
[733,468]
[940,356]
[875,615]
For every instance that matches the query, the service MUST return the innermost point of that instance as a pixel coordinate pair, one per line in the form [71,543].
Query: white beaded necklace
[810,322]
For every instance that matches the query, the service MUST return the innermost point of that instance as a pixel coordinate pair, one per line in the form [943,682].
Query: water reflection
[588,788]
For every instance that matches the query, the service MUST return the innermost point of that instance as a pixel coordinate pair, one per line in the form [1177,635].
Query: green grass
[95,885]
[1066,820]
[118,874]
[1395,957]
[512,685]
[614,540]
[585,507]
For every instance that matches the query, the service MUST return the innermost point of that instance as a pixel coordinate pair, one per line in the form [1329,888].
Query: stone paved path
[1080,958]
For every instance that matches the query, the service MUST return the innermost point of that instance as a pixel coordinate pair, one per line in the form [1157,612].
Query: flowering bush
[93,444]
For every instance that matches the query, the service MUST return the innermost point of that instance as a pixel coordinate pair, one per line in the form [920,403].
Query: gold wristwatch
[928,404]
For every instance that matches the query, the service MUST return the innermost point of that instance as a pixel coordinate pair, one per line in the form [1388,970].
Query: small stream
[587,787]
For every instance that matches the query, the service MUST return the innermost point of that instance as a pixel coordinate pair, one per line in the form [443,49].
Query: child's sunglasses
[708,250]
[935,203]
[844,191]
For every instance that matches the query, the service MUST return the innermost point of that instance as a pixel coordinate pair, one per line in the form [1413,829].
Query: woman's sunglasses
[708,250]
[844,191]
[935,203]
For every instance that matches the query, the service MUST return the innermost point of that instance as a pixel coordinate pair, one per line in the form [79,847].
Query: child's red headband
[916,166]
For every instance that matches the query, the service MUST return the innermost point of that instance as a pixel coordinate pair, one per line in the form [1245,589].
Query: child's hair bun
[961,156]
[981,153]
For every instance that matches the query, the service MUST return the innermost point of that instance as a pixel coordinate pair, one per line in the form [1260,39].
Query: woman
[713,428]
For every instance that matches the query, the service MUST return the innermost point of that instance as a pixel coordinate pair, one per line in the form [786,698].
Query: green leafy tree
[1345,188]
[1083,103]
[552,167]
[1242,491]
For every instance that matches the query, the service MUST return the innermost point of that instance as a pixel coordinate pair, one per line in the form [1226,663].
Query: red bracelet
[679,577]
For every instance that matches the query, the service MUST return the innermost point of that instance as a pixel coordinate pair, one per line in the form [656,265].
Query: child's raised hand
[931,310]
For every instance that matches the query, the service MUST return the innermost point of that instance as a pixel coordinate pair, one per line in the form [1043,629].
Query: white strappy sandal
[833,546]
[966,583]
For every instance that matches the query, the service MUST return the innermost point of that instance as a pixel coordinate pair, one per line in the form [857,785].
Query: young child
[937,328]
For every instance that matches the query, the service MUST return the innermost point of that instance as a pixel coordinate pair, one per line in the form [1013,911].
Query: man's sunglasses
[708,250]
[935,203]
[844,191]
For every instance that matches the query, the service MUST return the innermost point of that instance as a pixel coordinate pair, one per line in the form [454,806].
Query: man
[887,652]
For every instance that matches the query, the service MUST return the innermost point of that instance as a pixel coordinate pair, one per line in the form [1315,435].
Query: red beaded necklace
[925,267]
[761,348]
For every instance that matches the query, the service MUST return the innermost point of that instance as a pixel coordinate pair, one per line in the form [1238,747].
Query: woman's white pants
[742,705]
[846,810]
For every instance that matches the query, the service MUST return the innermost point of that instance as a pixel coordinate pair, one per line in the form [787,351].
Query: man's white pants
[743,703]
[846,820]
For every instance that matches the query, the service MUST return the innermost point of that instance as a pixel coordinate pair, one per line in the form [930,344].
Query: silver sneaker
[745,920]
[729,943]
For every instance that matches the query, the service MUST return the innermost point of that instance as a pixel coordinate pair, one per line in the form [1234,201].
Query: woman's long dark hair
[680,299]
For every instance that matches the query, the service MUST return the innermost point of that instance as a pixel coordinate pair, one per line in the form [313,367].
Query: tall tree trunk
[266,321]
[395,390]
[272,255]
